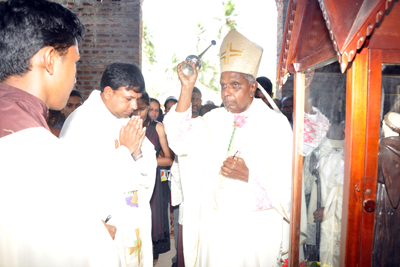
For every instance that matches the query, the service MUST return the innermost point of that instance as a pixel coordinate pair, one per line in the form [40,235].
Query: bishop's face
[121,103]
[236,93]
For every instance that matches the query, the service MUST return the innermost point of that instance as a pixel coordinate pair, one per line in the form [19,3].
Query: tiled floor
[165,259]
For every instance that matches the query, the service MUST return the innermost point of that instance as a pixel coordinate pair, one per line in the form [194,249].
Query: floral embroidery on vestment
[183,126]
[262,201]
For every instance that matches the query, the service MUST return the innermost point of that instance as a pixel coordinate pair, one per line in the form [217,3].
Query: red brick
[109,25]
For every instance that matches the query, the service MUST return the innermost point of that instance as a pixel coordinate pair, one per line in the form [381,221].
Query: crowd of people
[229,206]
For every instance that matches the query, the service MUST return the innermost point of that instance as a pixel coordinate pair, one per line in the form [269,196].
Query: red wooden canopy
[320,32]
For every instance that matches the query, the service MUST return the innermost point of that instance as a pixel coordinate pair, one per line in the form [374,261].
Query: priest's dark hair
[120,74]
[28,26]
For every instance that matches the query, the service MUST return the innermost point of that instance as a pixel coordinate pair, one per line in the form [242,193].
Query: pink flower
[239,120]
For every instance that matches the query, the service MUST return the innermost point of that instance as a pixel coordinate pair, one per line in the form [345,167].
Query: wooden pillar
[297,169]
[371,154]
[355,146]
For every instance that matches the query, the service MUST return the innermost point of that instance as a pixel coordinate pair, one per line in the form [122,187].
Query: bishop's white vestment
[93,128]
[230,222]
[45,220]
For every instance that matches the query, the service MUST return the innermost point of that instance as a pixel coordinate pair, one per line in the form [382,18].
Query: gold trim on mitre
[239,54]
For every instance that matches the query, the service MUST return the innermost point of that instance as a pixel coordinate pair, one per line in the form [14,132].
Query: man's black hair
[266,84]
[169,99]
[286,98]
[283,99]
[76,93]
[196,90]
[119,75]
[26,26]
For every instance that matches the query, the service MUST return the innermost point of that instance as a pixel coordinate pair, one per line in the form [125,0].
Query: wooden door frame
[361,168]
[297,168]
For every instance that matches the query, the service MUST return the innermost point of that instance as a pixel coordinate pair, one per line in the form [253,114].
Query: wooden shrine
[362,36]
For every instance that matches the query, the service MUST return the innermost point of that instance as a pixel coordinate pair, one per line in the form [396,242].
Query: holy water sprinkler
[187,68]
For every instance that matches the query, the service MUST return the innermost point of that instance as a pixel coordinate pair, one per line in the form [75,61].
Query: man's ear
[253,88]
[49,58]
[107,92]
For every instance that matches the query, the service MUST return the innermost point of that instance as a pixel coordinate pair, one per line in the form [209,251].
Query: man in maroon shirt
[37,63]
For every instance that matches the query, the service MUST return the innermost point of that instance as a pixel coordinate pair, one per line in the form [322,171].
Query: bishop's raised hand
[187,83]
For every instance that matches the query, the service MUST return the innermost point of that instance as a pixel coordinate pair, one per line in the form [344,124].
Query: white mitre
[239,54]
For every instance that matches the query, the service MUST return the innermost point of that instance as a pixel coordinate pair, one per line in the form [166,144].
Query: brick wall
[113,34]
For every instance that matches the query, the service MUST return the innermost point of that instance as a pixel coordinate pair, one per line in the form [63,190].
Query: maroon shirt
[20,110]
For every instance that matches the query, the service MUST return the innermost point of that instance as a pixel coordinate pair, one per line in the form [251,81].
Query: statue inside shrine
[386,251]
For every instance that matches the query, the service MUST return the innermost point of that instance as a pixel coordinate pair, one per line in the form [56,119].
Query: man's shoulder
[35,133]
[37,140]
[81,117]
